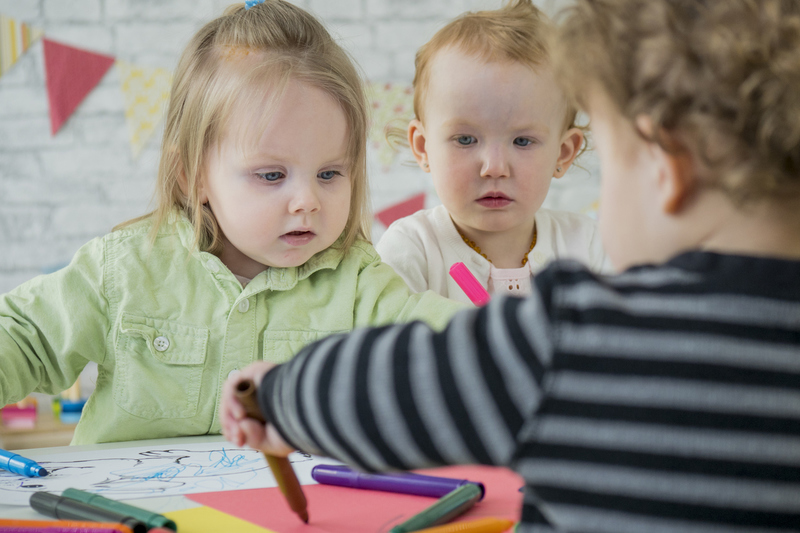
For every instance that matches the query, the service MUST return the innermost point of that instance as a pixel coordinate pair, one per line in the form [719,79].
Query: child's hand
[241,430]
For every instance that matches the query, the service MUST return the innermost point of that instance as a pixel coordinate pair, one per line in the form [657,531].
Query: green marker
[151,519]
[445,509]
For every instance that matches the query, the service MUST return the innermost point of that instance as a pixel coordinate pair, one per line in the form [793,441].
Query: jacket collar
[274,278]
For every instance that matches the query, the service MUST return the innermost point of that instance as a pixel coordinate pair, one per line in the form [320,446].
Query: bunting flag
[15,39]
[402,209]
[145,92]
[71,74]
[393,107]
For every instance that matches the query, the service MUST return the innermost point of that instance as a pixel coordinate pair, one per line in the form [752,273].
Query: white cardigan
[422,247]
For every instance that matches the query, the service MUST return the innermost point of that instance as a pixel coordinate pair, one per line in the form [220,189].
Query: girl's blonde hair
[518,32]
[720,77]
[288,44]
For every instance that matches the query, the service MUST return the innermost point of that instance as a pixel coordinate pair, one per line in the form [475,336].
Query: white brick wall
[58,192]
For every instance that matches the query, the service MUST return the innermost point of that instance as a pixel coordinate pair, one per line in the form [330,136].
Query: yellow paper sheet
[208,520]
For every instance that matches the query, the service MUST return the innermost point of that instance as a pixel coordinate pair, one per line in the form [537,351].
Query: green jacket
[166,325]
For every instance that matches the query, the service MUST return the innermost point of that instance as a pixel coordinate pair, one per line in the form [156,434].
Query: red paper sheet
[402,209]
[339,509]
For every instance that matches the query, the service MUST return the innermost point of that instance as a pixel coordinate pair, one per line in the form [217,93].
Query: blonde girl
[493,129]
[258,244]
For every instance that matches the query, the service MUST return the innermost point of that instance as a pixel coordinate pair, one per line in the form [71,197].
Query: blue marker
[19,465]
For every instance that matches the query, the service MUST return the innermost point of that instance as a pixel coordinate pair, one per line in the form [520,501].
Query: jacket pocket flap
[169,342]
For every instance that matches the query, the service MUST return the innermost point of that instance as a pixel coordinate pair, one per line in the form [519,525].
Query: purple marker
[406,483]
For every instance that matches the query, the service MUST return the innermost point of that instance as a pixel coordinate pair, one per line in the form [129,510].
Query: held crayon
[150,519]
[406,483]
[20,465]
[445,509]
[65,508]
[481,525]
[471,287]
[60,526]
[280,466]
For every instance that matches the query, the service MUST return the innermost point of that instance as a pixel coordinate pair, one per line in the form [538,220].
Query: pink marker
[471,286]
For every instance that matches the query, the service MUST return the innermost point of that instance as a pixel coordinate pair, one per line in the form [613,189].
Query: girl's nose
[305,199]
[495,163]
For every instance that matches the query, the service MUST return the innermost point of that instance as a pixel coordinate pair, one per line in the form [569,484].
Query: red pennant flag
[71,74]
[403,209]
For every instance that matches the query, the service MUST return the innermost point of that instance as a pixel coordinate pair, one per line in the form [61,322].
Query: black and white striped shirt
[663,399]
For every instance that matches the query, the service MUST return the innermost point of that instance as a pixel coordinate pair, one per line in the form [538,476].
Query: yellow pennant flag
[393,106]
[15,39]
[145,92]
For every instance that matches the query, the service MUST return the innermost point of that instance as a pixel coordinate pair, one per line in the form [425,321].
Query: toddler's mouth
[298,237]
[494,200]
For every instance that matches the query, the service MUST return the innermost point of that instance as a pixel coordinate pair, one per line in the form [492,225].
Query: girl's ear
[416,140]
[183,182]
[571,143]
[202,195]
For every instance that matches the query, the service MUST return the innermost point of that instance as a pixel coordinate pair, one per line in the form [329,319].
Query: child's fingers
[234,435]
[253,433]
[230,407]
[236,427]
[277,445]
[231,431]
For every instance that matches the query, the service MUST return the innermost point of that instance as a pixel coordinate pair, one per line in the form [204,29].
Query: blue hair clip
[251,3]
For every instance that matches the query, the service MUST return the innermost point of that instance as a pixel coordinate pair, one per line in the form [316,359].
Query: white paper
[152,471]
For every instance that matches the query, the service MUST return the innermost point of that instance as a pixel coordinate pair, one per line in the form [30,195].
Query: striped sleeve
[402,397]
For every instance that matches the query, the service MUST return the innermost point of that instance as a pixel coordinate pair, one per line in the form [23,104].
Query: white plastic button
[161,343]
[233,373]
[244,305]
[212,265]
[538,257]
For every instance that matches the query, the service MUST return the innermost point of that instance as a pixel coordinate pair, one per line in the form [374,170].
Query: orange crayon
[481,525]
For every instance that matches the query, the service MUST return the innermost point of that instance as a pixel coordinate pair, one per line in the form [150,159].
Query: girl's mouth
[298,238]
[494,200]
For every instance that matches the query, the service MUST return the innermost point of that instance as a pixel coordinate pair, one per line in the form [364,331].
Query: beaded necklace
[469,242]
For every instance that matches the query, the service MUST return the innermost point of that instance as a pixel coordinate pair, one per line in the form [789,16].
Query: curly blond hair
[720,77]
[290,44]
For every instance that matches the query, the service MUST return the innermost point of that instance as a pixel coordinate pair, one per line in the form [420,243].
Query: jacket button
[244,305]
[161,343]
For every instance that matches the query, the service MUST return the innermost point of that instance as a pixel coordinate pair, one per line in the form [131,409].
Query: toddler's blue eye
[328,175]
[271,176]
[466,140]
[522,141]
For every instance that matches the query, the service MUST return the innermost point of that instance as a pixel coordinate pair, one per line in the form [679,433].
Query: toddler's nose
[304,200]
[495,163]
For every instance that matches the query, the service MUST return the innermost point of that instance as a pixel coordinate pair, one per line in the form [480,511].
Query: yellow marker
[482,525]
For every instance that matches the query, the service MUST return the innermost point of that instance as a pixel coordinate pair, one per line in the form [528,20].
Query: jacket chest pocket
[281,345]
[159,367]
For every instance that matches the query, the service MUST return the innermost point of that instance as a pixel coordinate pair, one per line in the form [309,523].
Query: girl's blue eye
[466,140]
[522,141]
[270,176]
[328,175]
